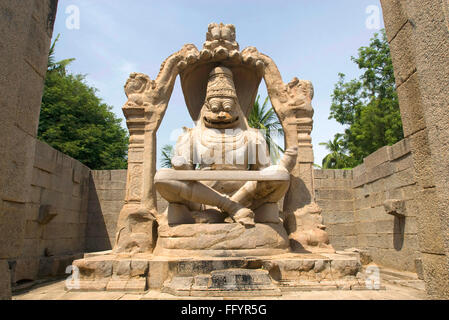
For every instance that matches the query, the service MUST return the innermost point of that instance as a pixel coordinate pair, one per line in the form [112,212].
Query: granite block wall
[418,35]
[353,206]
[335,196]
[387,175]
[106,199]
[26,28]
[56,216]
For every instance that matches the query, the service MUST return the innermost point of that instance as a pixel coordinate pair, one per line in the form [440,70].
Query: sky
[309,39]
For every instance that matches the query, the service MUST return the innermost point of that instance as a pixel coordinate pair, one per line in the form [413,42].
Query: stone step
[396,274]
[220,283]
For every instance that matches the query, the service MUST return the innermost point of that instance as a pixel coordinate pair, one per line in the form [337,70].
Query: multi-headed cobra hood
[223,52]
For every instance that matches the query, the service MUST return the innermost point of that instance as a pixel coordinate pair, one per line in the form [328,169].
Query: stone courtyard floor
[55,291]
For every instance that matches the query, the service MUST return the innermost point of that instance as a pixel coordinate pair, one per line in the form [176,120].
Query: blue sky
[309,39]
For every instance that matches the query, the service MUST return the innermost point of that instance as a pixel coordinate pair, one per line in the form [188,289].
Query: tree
[167,154]
[74,120]
[368,105]
[265,119]
[336,159]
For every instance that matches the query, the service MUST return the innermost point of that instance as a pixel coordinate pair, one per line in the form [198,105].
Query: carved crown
[221,49]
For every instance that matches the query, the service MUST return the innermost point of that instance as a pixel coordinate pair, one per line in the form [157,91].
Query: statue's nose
[222,115]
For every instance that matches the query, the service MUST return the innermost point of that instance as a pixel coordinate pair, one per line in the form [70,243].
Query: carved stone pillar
[301,192]
[135,227]
[144,110]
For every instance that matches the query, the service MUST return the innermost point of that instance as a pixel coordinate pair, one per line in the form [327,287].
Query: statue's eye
[227,105]
[214,107]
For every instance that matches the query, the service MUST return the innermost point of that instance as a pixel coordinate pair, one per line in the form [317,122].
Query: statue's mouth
[221,123]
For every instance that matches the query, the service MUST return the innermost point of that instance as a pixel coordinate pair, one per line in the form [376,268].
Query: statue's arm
[291,102]
[260,147]
[183,153]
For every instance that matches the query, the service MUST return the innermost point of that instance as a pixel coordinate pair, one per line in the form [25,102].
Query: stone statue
[223,192]
[222,140]
[224,221]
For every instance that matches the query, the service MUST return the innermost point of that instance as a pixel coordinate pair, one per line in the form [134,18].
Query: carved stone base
[221,240]
[199,276]
[224,283]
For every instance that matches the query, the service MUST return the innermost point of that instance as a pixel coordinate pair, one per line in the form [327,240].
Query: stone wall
[418,34]
[387,175]
[56,216]
[106,199]
[353,206]
[334,194]
[26,28]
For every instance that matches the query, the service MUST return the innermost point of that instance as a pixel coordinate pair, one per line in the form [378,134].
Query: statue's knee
[166,188]
[273,191]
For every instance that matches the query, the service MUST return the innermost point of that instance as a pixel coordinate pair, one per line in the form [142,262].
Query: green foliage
[74,120]
[336,159]
[264,118]
[167,153]
[368,105]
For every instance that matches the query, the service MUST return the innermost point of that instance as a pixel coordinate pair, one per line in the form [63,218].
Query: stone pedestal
[221,240]
[200,276]
[224,283]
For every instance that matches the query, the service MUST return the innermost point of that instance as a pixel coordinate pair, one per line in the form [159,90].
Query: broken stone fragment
[395,207]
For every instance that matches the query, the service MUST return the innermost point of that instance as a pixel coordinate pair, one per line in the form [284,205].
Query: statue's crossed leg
[239,207]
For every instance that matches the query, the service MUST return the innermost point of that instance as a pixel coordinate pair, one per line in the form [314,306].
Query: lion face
[221,113]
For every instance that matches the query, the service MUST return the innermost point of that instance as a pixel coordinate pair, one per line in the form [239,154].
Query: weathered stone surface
[395,207]
[378,157]
[95,268]
[198,273]
[410,100]
[26,269]
[217,239]
[421,154]
[139,268]
[117,285]
[431,228]
[400,149]
[5,281]
[136,285]
[218,175]
[395,16]
[306,231]
[230,282]
[429,43]
[402,54]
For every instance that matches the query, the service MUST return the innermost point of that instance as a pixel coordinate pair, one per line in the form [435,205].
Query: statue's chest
[221,150]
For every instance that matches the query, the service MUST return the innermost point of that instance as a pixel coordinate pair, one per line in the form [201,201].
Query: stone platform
[224,283]
[221,240]
[183,276]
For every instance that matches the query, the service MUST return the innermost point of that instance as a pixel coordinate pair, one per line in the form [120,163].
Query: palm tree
[264,118]
[59,66]
[336,159]
[167,154]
